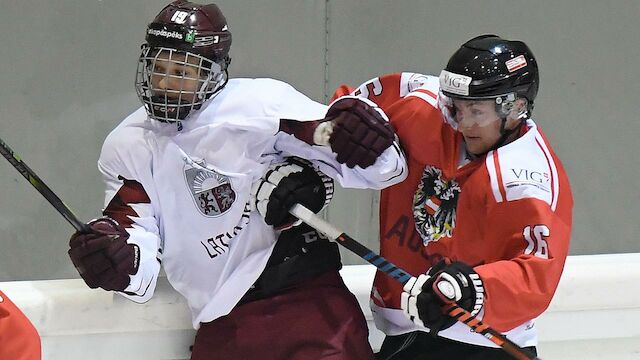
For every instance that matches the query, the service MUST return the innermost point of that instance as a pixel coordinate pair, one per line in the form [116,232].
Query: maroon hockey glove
[102,257]
[360,133]
[424,300]
[356,129]
[294,181]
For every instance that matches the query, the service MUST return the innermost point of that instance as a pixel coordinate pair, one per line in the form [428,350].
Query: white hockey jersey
[183,194]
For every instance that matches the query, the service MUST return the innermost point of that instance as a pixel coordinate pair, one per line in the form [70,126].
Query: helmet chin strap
[504,133]
[506,107]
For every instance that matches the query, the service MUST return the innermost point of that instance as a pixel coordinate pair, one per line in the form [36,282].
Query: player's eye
[159,69]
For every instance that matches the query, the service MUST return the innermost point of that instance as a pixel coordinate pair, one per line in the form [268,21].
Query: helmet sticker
[180,17]
[516,63]
[454,83]
[190,37]
[164,33]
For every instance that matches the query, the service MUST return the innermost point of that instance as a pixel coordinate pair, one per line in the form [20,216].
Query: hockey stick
[403,277]
[37,183]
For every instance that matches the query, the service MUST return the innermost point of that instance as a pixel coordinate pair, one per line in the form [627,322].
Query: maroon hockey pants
[317,319]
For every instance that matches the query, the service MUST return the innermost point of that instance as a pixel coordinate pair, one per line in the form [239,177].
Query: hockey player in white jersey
[179,173]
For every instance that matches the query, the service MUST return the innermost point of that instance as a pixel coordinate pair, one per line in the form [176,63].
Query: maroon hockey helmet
[186,35]
[194,28]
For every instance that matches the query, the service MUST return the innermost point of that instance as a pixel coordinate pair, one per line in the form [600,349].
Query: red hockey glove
[361,131]
[103,257]
[294,181]
[424,299]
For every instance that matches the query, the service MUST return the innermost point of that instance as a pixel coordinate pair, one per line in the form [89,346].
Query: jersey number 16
[536,241]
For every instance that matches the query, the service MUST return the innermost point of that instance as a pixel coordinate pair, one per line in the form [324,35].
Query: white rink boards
[594,315]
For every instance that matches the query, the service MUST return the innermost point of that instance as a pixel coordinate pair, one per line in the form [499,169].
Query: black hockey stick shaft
[42,188]
[403,277]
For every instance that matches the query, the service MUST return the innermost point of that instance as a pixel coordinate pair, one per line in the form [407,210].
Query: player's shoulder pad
[262,90]
[128,139]
[425,87]
[524,169]
[265,97]
[129,131]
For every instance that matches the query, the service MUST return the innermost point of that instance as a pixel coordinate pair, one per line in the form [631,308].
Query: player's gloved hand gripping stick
[99,250]
[451,308]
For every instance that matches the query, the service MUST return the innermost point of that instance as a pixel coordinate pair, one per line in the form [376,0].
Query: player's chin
[173,98]
[475,145]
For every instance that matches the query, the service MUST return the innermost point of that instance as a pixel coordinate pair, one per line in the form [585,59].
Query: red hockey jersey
[19,340]
[508,213]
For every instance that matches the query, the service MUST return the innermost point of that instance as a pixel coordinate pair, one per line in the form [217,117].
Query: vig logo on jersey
[211,190]
[434,205]
[520,177]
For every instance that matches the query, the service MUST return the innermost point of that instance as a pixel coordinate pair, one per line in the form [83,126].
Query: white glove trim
[322,133]
[409,298]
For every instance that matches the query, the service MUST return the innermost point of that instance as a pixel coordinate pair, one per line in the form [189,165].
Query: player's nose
[163,83]
[463,122]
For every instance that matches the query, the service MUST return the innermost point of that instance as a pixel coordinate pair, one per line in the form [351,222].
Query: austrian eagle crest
[434,205]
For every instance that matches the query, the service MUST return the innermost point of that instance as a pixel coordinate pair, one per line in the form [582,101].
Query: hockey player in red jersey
[19,340]
[487,205]
[179,174]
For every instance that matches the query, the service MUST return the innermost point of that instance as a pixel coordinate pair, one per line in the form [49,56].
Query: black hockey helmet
[184,34]
[490,67]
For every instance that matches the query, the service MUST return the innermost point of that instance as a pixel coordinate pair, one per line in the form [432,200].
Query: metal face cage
[171,83]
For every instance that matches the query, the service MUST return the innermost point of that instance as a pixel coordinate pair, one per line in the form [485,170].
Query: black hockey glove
[361,131]
[103,257]
[424,299]
[294,181]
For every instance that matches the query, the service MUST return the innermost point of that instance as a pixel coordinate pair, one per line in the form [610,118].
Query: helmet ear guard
[511,105]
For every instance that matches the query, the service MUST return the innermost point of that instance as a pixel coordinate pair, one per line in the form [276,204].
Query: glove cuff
[326,181]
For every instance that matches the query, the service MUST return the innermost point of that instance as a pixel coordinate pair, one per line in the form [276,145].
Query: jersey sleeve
[387,89]
[532,230]
[18,337]
[129,203]
[389,169]
[406,97]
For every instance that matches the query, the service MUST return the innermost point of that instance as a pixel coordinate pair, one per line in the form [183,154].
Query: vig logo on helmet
[454,83]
